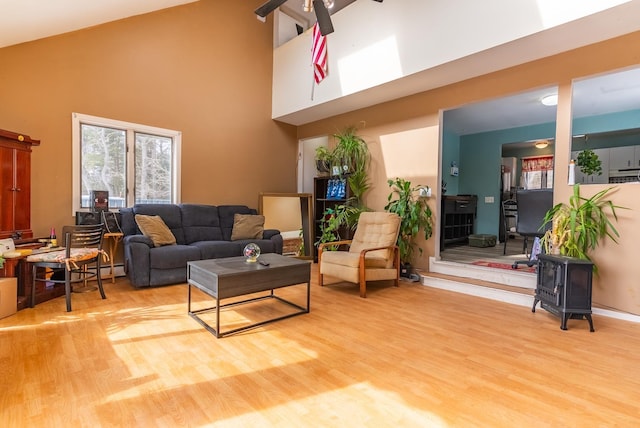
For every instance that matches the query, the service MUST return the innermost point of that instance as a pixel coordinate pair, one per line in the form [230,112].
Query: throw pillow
[155,228]
[247,226]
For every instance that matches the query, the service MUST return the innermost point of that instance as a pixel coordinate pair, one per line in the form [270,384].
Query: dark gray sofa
[201,231]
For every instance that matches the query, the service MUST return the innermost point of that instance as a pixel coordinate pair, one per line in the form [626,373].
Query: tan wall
[202,68]
[403,137]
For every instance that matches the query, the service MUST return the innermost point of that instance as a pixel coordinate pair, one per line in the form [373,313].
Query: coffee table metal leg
[216,331]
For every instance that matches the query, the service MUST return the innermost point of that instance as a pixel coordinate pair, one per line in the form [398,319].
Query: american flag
[319,54]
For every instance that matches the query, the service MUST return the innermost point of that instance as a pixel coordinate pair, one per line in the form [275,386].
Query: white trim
[513,278]
[500,295]
[78,118]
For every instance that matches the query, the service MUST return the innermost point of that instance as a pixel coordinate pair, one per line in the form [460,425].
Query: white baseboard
[506,278]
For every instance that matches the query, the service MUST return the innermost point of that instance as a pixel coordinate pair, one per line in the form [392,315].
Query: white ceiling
[295,8]
[26,20]
[609,93]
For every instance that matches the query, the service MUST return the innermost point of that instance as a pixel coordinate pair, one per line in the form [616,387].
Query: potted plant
[589,162]
[332,221]
[324,159]
[414,214]
[579,226]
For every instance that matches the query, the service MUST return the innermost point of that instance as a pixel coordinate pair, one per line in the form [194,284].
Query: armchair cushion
[373,254]
[352,259]
[377,229]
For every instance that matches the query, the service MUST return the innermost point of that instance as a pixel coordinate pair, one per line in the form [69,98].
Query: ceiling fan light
[549,100]
[541,144]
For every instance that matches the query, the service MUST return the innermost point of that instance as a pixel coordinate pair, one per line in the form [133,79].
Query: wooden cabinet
[15,185]
[327,194]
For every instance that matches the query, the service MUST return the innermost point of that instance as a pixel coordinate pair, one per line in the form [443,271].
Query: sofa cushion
[154,227]
[266,245]
[218,249]
[227,213]
[247,226]
[200,223]
[173,256]
[170,213]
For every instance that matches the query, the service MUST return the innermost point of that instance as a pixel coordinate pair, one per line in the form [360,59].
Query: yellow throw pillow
[154,227]
[247,226]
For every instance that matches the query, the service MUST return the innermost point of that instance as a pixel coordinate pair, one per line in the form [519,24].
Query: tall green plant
[415,215]
[580,225]
[337,220]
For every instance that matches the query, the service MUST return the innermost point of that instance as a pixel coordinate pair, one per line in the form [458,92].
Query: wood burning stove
[564,287]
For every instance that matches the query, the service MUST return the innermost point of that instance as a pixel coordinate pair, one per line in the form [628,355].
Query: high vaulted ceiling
[26,20]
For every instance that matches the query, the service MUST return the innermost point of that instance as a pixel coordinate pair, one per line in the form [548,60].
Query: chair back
[83,236]
[532,208]
[376,229]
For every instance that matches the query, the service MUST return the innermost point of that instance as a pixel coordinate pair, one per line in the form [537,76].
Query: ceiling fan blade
[268,7]
[323,17]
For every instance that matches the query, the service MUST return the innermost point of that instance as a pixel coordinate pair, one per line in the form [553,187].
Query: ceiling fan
[319,7]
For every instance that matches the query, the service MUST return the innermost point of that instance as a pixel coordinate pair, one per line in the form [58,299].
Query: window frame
[130,129]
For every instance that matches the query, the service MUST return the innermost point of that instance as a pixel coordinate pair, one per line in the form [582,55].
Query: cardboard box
[8,296]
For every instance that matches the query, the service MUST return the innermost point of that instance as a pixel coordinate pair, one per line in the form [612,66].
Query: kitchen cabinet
[624,157]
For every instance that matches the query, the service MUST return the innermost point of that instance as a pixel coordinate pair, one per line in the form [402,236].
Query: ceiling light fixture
[550,100]
[541,144]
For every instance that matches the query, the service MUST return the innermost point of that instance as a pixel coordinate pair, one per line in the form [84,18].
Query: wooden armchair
[372,256]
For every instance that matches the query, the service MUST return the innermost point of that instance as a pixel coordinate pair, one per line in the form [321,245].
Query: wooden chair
[372,253]
[509,216]
[80,260]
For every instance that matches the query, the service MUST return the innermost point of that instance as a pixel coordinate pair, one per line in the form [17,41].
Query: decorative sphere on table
[252,252]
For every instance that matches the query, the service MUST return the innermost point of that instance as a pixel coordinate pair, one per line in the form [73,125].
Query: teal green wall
[450,153]
[478,156]
[607,122]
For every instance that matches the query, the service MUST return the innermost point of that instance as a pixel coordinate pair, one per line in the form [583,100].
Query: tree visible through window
[134,163]
[153,169]
[104,163]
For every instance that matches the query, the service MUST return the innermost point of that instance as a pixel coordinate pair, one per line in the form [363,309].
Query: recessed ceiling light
[550,100]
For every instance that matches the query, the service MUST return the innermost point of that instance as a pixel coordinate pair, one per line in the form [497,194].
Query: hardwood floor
[411,356]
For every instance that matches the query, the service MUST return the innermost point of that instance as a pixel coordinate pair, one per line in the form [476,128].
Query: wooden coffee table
[234,276]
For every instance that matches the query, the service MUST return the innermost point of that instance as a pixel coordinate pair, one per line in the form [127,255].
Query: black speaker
[83,217]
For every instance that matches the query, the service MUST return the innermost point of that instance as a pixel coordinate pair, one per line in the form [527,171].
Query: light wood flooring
[411,356]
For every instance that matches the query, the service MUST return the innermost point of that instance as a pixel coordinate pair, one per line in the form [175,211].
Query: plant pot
[405,270]
[322,167]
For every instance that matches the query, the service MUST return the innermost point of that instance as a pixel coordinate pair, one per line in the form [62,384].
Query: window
[136,164]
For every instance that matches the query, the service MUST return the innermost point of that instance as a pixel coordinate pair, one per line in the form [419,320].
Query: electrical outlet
[488,199]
